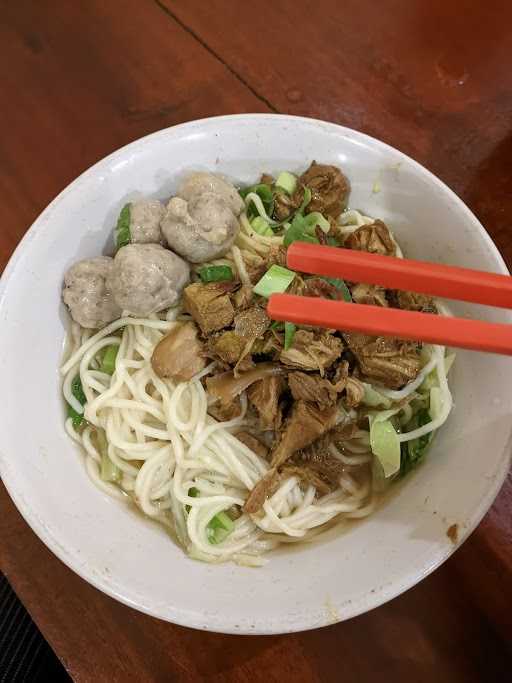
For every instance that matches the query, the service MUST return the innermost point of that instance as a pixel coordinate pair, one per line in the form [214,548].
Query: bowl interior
[132,559]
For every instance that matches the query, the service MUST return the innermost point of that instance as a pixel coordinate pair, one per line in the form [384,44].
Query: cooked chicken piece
[313,388]
[228,347]
[146,278]
[145,217]
[317,286]
[372,295]
[374,238]
[306,475]
[412,301]
[242,298]
[285,204]
[226,386]
[209,305]
[264,396]
[329,189]
[226,411]
[179,354]
[312,351]
[252,322]
[254,444]
[354,390]
[390,362]
[266,486]
[276,256]
[306,423]
[88,294]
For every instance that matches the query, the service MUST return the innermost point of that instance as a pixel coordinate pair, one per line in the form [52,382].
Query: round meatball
[201,229]
[201,182]
[145,217]
[87,293]
[146,278]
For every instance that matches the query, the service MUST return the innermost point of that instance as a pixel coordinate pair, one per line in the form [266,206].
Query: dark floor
[24,653]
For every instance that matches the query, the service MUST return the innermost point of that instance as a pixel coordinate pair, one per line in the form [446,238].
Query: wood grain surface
[79,79]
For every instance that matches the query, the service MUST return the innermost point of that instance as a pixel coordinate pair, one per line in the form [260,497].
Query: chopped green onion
[313,219]
[287,182]
[277,325]
[373,398]
[123,232]
[275,281]
[261,226]
[297,233]
[341,287]
[289,334]
[385,446]
[219,527]
[108,364]
[193,493]
[332,241]
[78,391]
[76,418]
[216,273]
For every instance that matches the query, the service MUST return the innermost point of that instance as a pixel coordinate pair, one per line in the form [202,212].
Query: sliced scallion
[341,287]
[215,273]
[289,334]
[261,226]
[219,527]
[108,364]
[275,281]
[287,182]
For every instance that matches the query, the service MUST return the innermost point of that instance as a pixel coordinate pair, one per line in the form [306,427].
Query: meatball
[201,183]
[145,217]
[87,293]
[146,278]
[200,229]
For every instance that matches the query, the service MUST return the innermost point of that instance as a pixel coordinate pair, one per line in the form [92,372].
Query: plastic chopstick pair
[418,276]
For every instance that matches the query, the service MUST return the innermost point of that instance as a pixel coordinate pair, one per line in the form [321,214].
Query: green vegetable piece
[297,232]
[289,334]
[413,451]
[305,201]
[341,286]
[287,182]
[108,364]
[261,226]
[314,219]
[277,325]
[216,273]
[193,493]
[264,192]
[78,391]
[123,232]
[219,527]
[385,446]
[275,281]
[76,418]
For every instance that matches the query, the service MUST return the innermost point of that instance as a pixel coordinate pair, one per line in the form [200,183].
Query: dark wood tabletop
[79,79]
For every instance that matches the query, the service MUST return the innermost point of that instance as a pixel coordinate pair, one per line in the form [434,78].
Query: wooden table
[432,77]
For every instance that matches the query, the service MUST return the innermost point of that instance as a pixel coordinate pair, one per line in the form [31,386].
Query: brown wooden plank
[80,79]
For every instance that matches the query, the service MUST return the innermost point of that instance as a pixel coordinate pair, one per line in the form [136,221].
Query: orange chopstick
[435,279]
[417,276]
[392,322]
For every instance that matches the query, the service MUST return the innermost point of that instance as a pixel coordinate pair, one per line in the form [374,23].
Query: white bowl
[132,559]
